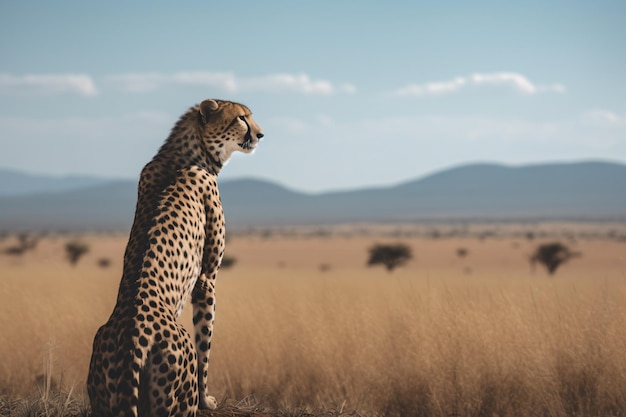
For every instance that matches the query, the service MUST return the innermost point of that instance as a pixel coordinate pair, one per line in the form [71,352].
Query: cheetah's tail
[126,399]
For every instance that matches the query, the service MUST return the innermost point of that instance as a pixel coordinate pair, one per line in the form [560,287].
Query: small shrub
[104,262]
[14,251]
[25,243]
[391,256]
[228,262]
[75,250]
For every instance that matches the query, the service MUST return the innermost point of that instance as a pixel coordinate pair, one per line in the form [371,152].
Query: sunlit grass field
[302,322]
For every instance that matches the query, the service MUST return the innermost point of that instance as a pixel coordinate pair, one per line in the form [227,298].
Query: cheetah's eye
[242,118]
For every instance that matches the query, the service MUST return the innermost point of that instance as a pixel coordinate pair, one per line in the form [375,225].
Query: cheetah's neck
[184,147]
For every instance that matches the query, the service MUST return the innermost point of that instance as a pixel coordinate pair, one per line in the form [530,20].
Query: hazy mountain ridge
[15,183]
[585,190]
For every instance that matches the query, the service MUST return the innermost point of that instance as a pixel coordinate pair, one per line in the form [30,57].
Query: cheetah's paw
[208,402]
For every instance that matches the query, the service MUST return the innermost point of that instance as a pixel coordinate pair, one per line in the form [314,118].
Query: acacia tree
[104,262]
[391,256]
[25,243]
[552,255]
[228,262]
[75,250]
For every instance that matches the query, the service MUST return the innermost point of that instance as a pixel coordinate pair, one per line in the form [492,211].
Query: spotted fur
[144,362]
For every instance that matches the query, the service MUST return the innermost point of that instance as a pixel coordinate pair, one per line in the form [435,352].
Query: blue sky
[349,94]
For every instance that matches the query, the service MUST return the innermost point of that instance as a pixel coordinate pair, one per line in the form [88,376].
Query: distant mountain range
[13,183]
[572,191]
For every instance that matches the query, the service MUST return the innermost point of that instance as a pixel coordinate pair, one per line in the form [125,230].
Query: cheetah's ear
[206,108]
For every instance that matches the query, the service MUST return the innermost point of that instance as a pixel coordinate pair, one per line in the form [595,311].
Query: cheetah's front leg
[203,300]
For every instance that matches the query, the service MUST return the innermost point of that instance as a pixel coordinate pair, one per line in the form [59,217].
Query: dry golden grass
[482,335]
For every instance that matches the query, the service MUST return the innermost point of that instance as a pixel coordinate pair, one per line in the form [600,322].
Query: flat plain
[302,322]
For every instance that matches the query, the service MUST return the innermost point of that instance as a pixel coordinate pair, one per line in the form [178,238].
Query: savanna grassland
[303,324]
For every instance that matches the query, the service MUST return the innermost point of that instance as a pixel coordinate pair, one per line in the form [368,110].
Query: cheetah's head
[228,127]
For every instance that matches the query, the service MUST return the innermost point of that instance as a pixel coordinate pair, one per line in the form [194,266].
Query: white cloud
[106,145]
[300,83]
[291,125]
[509,79]
[80,84]
[282,82]
[86,129]
[151,81]
[347,88]
[603,118]
[297,126]
[325,120]
[84,85]
[484,133]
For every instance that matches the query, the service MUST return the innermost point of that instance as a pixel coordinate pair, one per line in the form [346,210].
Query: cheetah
[144,362]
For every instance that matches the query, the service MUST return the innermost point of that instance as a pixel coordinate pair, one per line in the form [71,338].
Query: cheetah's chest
[177,244]
[188,285]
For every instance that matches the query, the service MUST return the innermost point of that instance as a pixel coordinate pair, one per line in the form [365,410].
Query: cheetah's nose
[259,135]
